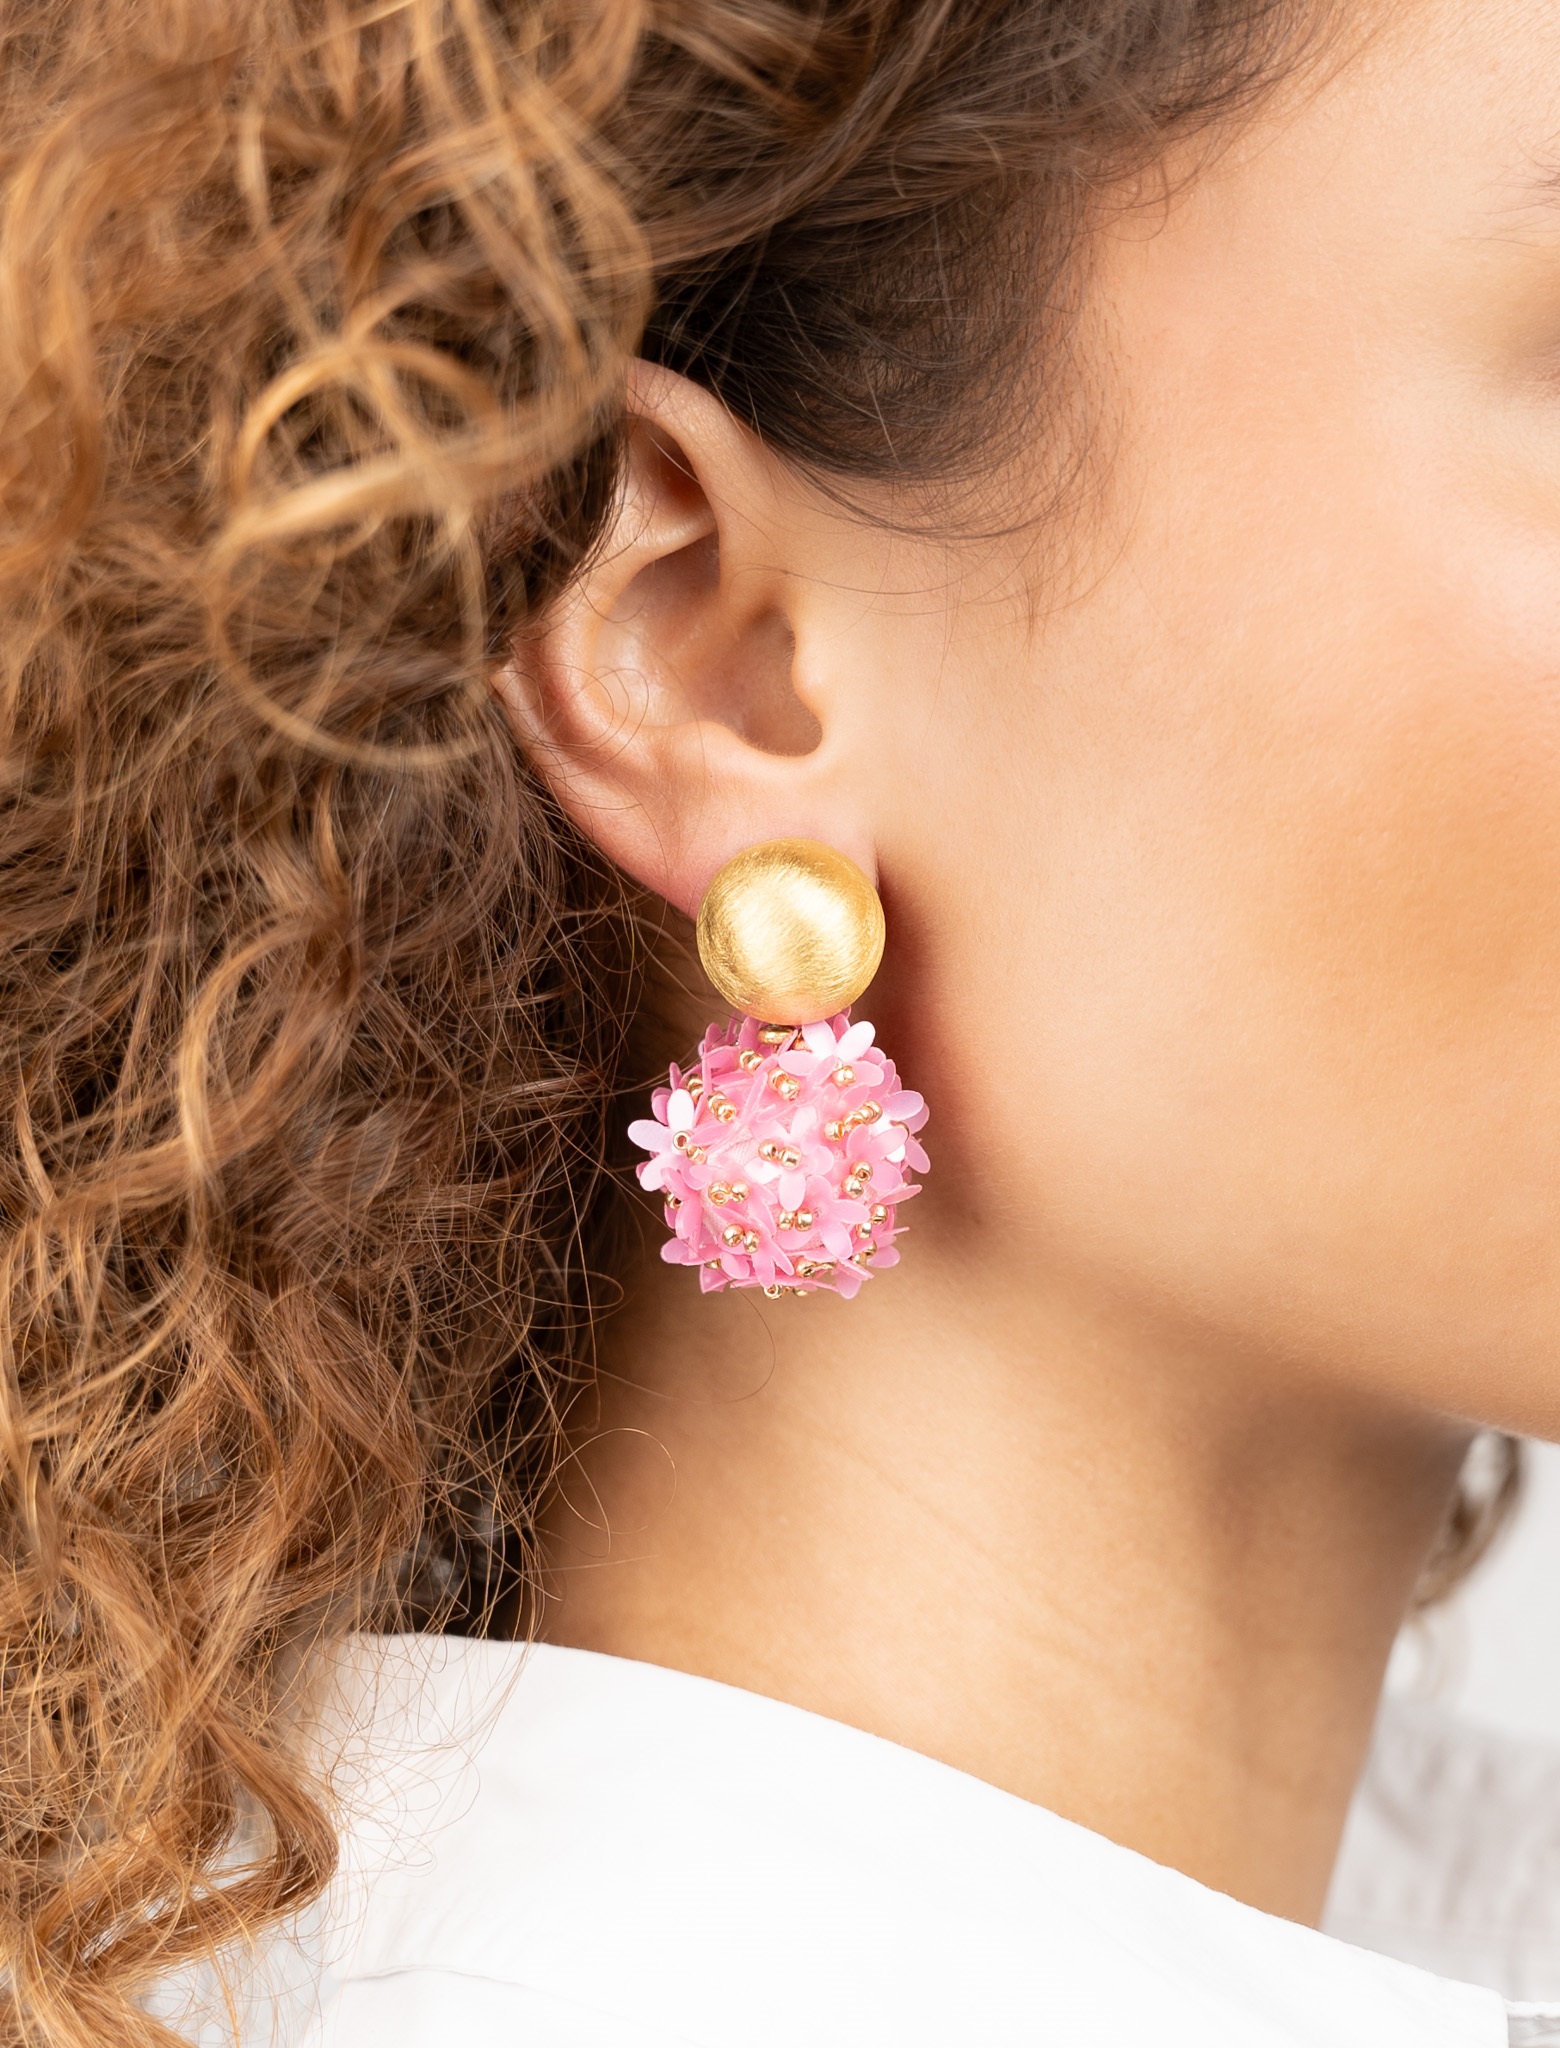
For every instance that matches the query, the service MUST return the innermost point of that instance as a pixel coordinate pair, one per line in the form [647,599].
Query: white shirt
[552,1849]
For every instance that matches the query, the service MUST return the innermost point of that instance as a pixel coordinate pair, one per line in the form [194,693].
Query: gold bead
[674,1201]
[695,1087]
[722,1110]
[786,1085]
[879,1214]
[834,1130]
[862,1170]
[805,1219]
[750,1240]
[864,1231]
[749,1060]
[786,1220]
[842,1077]
[733,1235]
[779,1034]
[774,1290]
[718,1193]
[739,1190]
[868,1113]
[865,1255]
[791,931]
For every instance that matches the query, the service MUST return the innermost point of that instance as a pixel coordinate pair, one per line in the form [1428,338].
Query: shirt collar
[740,1873]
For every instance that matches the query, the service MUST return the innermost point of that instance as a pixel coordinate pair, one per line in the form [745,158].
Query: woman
[470,471]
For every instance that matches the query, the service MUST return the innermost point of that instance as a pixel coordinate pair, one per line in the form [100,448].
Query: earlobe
[662,699]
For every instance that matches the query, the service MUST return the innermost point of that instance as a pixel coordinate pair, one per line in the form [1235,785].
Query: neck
[1151,1589]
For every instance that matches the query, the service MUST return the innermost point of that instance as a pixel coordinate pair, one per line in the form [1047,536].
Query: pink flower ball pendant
[784,1157]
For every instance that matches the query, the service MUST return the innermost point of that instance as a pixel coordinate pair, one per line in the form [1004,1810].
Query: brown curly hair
[313,323]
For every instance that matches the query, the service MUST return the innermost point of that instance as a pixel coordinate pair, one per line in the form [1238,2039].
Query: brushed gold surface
[790,931]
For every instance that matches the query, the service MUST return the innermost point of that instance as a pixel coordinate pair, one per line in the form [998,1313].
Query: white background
[1491,1653]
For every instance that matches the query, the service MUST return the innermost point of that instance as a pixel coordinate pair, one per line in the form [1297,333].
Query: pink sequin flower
[784,1157]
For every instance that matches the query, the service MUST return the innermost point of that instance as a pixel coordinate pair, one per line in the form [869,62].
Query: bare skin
[1219,832]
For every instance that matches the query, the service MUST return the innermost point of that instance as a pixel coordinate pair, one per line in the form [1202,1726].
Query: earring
[784,1154]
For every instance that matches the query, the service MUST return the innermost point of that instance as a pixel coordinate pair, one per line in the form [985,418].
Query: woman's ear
[680,698]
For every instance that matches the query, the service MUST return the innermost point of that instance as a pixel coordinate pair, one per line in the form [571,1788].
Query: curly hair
[313,322]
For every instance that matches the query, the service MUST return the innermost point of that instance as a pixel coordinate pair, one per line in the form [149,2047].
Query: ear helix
[784,1154]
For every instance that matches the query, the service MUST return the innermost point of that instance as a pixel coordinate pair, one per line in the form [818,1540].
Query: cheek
[1390,887]
[1287,963]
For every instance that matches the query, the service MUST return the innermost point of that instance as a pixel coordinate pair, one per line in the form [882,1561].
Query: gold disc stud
[790,931]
